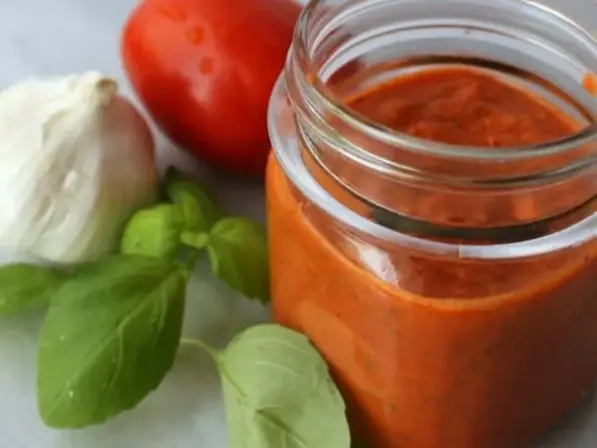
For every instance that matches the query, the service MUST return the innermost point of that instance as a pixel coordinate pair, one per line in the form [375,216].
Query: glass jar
[451,287]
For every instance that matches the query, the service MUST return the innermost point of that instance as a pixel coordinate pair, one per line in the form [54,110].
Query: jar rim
[287,151]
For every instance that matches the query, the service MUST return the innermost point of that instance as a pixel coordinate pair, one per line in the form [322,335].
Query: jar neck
[343,48]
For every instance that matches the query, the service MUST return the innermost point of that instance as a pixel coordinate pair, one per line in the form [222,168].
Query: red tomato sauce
[439,352]
[462,106]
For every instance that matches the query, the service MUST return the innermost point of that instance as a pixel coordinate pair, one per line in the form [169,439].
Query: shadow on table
[578,429]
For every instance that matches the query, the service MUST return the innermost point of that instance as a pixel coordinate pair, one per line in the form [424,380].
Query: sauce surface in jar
[463,106]
[434,351]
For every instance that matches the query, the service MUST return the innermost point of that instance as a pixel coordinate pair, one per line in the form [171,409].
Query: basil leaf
[278,392]
[24,286]
[109,338]
[197,202]
[238,254]
[154,232]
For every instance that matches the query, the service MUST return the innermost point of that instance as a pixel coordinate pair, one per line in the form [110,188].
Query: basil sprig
[113,328]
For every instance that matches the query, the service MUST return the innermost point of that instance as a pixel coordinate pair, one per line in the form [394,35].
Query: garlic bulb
[76,161]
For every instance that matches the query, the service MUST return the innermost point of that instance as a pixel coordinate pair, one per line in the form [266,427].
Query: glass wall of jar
[432,214]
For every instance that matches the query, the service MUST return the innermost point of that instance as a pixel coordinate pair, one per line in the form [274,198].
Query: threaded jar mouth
[561,39]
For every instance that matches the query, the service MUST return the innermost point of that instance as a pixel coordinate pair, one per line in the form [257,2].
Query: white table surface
[49,37]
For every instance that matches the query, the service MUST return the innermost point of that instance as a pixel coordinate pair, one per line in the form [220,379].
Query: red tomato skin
[205,69]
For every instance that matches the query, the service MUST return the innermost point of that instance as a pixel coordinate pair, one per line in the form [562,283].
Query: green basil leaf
[154,232]
[197,241]
[198,204]
[24,286]
[109,338]
[278,392]
[238,254]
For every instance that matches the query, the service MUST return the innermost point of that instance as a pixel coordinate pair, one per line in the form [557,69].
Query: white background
[40,37]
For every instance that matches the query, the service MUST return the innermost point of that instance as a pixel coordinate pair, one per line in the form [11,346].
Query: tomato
[204,70]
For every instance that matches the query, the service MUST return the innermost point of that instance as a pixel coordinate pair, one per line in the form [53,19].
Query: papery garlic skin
[76,161]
